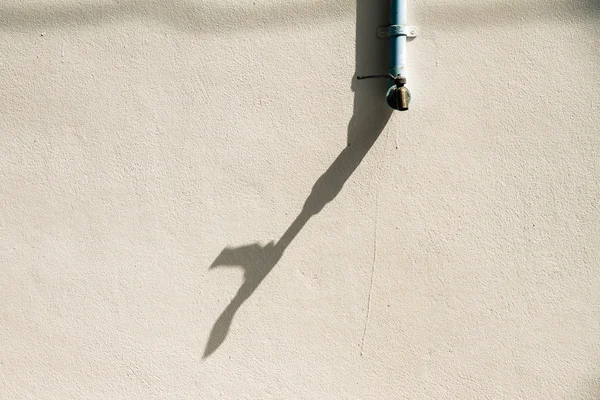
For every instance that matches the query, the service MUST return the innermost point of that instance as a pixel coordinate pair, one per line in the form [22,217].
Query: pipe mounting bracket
[385,32]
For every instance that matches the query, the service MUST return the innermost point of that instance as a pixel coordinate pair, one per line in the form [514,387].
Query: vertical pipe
[398,16]
[398,97]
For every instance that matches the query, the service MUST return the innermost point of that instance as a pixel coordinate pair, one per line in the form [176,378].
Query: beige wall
[144,141]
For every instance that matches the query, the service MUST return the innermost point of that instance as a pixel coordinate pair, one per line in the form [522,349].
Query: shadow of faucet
[369,117]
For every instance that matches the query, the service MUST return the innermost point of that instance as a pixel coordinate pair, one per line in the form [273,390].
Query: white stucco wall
[142,142]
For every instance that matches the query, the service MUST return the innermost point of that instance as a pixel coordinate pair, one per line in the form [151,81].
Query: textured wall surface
[197,201]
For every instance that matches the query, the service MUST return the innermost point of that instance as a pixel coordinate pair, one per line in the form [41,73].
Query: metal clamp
[385,32]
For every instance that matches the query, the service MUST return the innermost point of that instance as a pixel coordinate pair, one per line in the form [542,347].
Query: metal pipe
[398,16]
[398,97]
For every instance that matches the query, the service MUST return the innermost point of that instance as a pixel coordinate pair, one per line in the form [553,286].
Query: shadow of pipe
[370,116]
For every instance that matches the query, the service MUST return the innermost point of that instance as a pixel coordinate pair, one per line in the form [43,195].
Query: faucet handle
[399,80]
[382,76]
